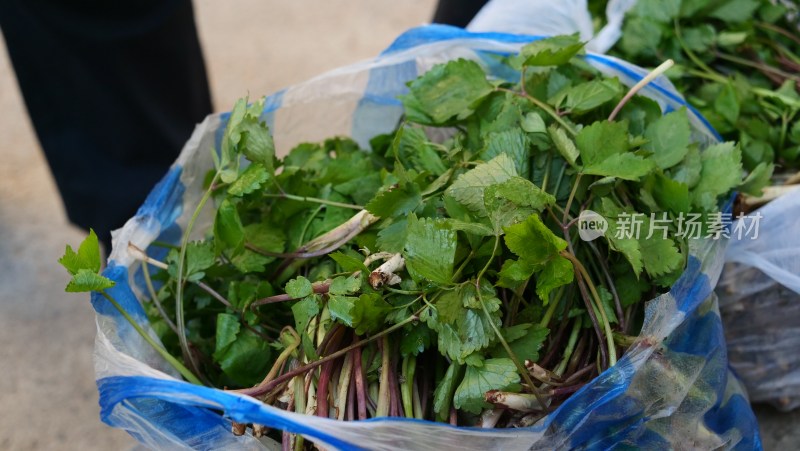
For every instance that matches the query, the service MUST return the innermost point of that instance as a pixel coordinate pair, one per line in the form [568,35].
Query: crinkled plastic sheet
[671,390]
[760,302]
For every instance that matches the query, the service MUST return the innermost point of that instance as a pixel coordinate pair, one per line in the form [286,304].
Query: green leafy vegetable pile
[440,279]
[737,62]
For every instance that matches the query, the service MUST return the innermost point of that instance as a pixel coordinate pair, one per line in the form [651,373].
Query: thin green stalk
[179,316]
[546,108]
[571,197]
[520,367]
[384,395]
[573,338]
[315,200]
[759,66]
[154,296]
[612,352]
[407,389]
[188,375]
[551,309]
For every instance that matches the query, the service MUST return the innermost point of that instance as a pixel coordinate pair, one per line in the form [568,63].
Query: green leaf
[553,51]
[87,280]
[514,272]
[430,250]
[474,228]
[564,144]
[527,344]
[670,194]
[757,179]
[256,143]
[660,256]
[604,151]
[393,237]
[628,247]
[227,328]
[668,138]
[449,306]
[556,272]
[736,10]
[469,188]
[348,263]
[369,313]
[345,285]
[199,257]
[444,391]
[299,287]
[87,257]
[416,339]
[513,143]
[250,180]
[726,104]
[395,202]
[451,90]
[246,360]
[228,229]
[514,200]
[495,374]
[722,171]
[663,11]
[590,95]
[533,123]
[341,308]
[303,311]
[531,240]
[688,171]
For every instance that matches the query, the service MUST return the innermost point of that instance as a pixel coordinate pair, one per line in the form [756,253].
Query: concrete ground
[48,398]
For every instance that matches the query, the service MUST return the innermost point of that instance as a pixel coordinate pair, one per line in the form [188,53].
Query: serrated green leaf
[688,171]
[474,228]
[369,313]
[553,51]
[430,250]
[87,280]
[670,194]
[227,328]
[345,285]
[393,237]
[564,144]
[451,90]
[228,229]
[533,123]
[468,189]
[246,360]
[415,340]
[726,104]
[444,391]
[626,166]
[736,10]
[663,11]
[525,343]
[87,257]
[249,180]
[495,374]
[514,272]
[395,202]
[199,257]
[449,306]
[531,240]
[757,180]
[668,138]
[341,308]
[555,273]
[256,143]
[722,171]
[590,95]
[513,143]
[303,311]
[604,151]
[348,262]
[628,247]
[660,256]
[299,287]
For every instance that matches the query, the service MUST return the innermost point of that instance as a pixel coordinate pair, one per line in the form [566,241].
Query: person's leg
[457,12]
[114,90]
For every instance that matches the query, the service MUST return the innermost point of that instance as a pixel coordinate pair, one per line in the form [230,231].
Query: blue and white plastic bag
[671,390]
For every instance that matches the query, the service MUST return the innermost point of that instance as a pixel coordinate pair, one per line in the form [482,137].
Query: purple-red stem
[361,390]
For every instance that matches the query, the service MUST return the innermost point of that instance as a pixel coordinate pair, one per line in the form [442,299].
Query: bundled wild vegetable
[737,62]
[440,279]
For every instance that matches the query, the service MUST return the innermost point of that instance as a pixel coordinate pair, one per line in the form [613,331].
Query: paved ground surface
[47,394]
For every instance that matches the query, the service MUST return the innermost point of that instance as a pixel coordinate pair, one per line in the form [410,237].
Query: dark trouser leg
[457,12]
[114,90]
